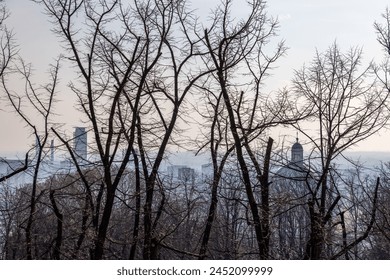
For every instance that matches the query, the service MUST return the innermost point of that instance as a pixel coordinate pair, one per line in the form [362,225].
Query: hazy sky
[305,25]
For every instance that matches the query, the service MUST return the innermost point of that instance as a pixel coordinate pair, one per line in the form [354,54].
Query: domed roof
[297,153]
[292,171]
[297,146]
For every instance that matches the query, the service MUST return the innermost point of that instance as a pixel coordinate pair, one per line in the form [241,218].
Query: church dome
[296,152]
[297,147]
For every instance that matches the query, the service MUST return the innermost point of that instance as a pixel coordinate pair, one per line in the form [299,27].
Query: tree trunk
[210,218]
[58,241]
[264,207]
[102,233]
[137,207]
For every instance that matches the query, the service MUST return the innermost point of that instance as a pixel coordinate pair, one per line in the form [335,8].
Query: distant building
[207,171]
[52,151]
[186,174]
[181,173]
[80,142]
[173,170]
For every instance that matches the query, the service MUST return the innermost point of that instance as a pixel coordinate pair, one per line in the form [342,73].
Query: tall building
[52,151]
[80,142]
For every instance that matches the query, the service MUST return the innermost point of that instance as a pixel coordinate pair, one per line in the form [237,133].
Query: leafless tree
[38,121]
[215,124]
[346,107]
[105,61]
[132,84]
[356,214]
[237,52]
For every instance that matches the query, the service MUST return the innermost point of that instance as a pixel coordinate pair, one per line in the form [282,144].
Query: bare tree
[105,61]
[215,136]
[346,107]
[358,212]
[41,101]
[167,93]
[237,52]
[132,84]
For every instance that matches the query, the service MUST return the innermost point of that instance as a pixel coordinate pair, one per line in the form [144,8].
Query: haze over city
[106,103]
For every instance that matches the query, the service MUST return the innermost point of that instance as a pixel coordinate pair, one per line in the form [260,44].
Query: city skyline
[162,132]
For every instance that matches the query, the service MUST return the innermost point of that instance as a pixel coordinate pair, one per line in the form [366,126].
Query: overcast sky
[305,25]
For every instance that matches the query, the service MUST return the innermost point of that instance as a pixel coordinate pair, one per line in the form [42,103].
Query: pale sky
[305,25]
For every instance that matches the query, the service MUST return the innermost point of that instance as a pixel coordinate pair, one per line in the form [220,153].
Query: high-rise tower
[80,142]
